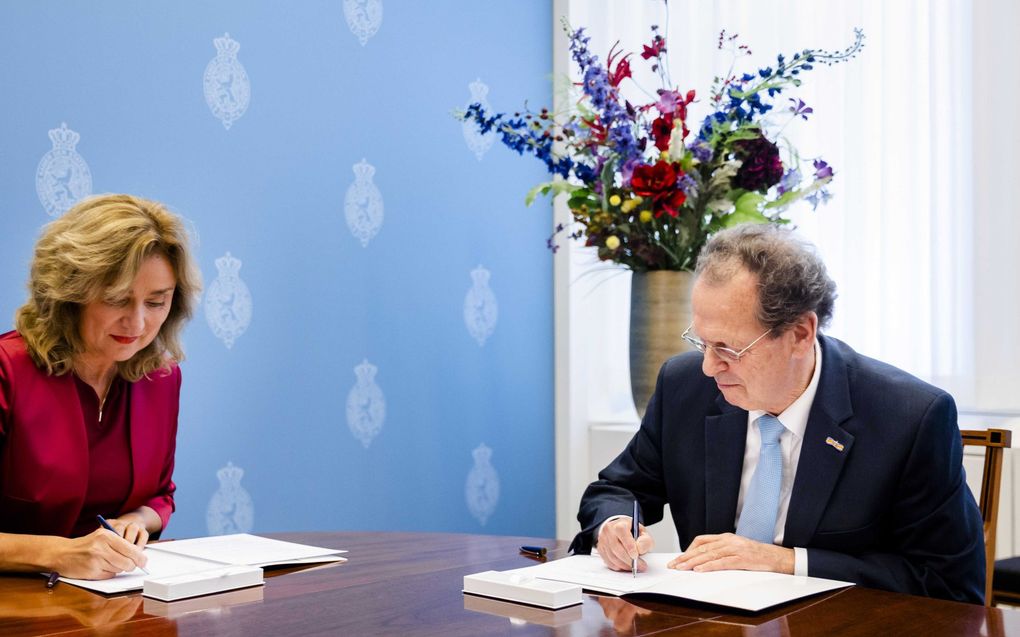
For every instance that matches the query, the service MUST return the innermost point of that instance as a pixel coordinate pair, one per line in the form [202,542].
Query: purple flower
[822,169]
[702,152]
[800,108]
[687,184]
[668,101]
[627,170]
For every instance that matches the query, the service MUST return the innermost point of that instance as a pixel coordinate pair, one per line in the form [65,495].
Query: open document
[746,590]
[184,557]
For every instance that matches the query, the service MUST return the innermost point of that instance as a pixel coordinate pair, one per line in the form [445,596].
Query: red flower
[658,48]
[761,167]
[622,70]
[662,128]
[599,132]
[660,183]
[672,105]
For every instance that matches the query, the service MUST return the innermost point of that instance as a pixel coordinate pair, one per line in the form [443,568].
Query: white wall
[981,337]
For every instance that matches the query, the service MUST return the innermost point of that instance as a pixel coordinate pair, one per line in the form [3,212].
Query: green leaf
[739,217]
[748,210]
[554,187]
[583,197]
[750,201]
[784,199]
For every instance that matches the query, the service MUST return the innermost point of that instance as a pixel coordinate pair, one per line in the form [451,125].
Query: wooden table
[409,584]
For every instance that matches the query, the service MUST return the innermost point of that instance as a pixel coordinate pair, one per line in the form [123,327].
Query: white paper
[748,590]
[250,550]
[160,564]
[188,556]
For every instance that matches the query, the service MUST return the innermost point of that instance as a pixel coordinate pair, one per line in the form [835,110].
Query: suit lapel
[725,438]
[824,450]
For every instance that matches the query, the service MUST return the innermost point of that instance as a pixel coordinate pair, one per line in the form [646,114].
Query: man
[780,449]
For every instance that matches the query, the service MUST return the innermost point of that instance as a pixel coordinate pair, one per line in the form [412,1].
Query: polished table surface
[410,584]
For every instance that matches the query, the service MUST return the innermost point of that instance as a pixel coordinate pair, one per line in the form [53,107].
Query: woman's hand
[98,555]
[131,527]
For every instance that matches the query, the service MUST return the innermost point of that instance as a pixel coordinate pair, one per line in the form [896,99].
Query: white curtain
[896,125]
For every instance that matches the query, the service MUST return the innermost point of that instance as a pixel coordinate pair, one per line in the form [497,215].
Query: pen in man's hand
[634,528]
[52,580]
[106,525]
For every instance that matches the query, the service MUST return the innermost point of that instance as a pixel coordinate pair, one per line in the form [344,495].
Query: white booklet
[210,554]
[746,590]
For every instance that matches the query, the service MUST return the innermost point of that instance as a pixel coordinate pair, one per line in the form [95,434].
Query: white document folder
[745,590]
[195,561]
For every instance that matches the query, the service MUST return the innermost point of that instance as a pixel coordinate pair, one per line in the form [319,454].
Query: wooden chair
[994,441]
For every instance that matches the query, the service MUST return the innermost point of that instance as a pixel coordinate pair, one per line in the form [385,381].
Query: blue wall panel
[270,190]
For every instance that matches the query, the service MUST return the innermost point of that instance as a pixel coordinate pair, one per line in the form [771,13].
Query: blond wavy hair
[93,252]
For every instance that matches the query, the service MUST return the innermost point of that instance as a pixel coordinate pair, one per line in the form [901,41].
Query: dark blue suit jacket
[890,510]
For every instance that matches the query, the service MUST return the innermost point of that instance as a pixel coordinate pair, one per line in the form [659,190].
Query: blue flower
[818,197]
[790,180]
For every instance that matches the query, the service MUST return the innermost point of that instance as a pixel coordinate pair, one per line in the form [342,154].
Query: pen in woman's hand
[51,581]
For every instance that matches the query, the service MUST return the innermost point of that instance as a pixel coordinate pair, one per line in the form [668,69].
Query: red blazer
[44,446]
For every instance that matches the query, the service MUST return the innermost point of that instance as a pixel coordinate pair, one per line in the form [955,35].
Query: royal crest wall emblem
[477,142]
[366,405]
[363,204]
[482,488]
[62,178]
[228,302]
[227,89]
[230,509]
[363,18]
[480,308]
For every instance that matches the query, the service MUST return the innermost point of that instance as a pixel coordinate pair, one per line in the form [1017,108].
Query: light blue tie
[761,503]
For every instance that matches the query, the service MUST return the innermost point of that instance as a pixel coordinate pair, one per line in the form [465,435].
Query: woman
[89,389]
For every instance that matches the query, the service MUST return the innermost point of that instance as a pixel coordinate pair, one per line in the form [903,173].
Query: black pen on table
[534,551]
[106,525]
[634,529]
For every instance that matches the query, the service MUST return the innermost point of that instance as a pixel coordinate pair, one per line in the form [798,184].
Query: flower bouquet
[643,188]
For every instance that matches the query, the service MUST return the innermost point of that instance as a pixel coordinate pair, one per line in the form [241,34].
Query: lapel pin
[835,444]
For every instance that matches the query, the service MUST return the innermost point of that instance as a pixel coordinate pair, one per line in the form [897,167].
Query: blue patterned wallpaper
[374,344]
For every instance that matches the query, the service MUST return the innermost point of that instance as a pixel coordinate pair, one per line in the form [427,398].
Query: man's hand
[616,545]
[733,552]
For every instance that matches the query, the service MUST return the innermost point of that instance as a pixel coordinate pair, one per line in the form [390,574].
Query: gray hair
[792,278]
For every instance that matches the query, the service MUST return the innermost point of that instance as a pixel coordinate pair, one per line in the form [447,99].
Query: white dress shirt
[794,420]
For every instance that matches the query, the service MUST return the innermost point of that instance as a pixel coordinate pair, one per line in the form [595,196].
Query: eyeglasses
[722,352]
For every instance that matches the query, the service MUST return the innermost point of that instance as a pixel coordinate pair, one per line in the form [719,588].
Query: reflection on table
[410,584]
